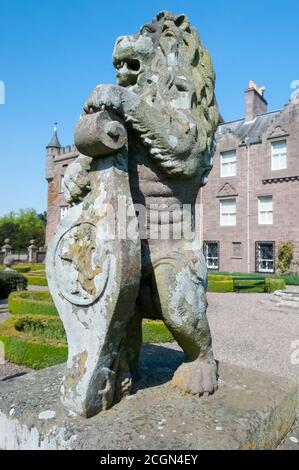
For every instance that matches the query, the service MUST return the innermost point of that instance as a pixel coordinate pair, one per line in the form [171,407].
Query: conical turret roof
[54,142]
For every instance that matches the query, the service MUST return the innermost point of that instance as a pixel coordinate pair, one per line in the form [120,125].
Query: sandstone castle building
[250,204]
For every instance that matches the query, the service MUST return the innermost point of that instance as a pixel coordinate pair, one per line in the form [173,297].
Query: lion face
[130,57]
[168,67]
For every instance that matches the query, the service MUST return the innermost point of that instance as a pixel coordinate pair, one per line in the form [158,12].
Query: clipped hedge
[34,303]
[37,275]
[11,281]
[291,279]
[31,266]
[35,337]
[37,267]
[36,279]
[21,269]
[221,286]
[218,278]
[220,283]
[23,347]
[240,274]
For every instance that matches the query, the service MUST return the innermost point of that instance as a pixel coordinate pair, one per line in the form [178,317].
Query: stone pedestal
[32,252]
[6,248]
[250,411]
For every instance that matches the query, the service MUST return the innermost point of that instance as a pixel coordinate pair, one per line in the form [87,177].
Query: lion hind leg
[181,288]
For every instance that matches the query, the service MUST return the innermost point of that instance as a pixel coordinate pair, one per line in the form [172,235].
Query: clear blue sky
[53,53]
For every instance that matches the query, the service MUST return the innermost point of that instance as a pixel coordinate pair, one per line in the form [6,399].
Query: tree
[21,227]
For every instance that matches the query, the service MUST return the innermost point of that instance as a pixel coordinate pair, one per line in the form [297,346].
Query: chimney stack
[255,101]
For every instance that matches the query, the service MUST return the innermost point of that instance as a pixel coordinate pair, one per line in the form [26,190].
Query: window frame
[260,222]
[206,243]
[273,155]
[230,164]
[62,209]
[222,201]
[258,260]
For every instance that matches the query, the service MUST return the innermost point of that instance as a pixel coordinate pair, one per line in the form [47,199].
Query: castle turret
[53,149]
[54,142]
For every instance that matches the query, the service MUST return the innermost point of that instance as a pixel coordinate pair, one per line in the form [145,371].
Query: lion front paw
[197,378]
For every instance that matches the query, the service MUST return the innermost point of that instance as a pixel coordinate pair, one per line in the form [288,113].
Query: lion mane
[172,73]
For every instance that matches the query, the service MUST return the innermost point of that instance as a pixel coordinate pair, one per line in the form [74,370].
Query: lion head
[168,67]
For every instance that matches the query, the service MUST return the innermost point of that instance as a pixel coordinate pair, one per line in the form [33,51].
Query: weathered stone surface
[250,411]
[149,139]
[94,278]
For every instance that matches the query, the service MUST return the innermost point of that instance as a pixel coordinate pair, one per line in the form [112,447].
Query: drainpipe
[247,142]
[201,218]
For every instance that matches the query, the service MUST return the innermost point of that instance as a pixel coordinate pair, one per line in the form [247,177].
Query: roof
[54,142]
[252,129]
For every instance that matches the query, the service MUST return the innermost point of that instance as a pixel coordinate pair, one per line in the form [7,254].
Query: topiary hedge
[34,303]
[21,269]
[37,278]
[35,337]
[30,341]
[36,275]
[11,281]
[221,286]
[291,279]
[30,267]
[218,278]
[224,284]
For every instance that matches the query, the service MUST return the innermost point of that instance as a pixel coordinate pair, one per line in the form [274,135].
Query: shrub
[42,327]
[35,303]
[221,286]
[273,285]
[285,256]
[11,281]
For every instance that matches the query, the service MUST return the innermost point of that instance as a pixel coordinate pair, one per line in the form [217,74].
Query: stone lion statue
[165,100]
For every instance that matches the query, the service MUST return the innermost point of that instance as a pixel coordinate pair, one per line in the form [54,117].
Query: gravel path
[38,288]
[252,331]
[4,313]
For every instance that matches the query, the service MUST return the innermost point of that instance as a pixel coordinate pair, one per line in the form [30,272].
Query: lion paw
[196,378]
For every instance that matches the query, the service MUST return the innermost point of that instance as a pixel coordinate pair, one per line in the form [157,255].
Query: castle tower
[58,158]
[53,149]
